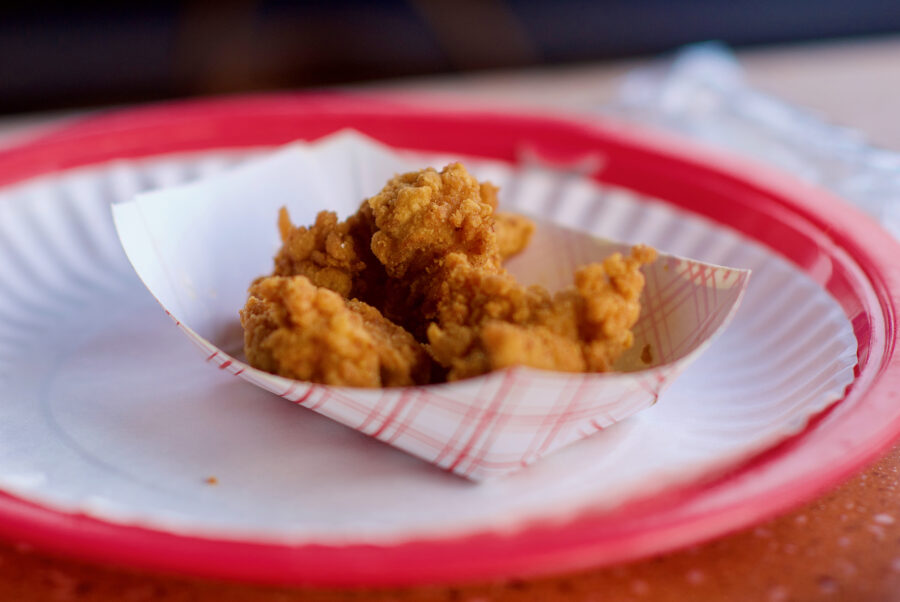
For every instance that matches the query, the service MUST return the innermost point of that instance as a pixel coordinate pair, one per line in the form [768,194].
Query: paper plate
[117,447]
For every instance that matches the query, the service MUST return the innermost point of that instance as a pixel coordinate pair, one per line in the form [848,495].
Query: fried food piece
[495,344]
[513,233]
[436,234]
[610,305]
[425,253]
[487,321]
[421,217]
[332,254]
[488,193]
[297,330]
[338,255]
[404,361]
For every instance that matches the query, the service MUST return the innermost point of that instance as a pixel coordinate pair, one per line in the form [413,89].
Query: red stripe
[325,396]
[445,402]
[376,411]
[546,421]
[470,414]
[410,420]
[212,356]
[704,329]
[224,364]
[485,419]
[566,414]
[348,402]
[306,395]
[398,407]
[652,318]
[665,353]
[493,431]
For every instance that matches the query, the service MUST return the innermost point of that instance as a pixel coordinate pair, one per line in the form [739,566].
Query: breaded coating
[489,194]
[403,360]
[513,233]
[487,321]
[610,294]
[350,303]
[338,255]
[326,252]
[332,254]
[297,330]
[421,217]
[436,234]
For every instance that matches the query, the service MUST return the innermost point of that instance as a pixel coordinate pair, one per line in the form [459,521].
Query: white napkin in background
[701,92]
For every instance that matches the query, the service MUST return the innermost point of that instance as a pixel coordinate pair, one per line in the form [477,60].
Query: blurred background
[61,55]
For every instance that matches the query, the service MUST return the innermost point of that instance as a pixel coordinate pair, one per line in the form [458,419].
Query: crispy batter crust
[423,216]
[332,254]
[487,321]
[421,261]
[513,233]
[298,330]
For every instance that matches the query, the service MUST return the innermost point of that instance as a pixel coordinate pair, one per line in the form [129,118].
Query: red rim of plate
[806,225]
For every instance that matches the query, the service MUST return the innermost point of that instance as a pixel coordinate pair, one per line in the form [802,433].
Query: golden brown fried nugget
[332,254]
[338,255]
[487,321]
[425,253]
[513,233]
[610,305]
[326,252]
[297,330]
[420,217]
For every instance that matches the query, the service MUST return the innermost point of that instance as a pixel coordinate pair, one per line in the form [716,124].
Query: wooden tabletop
[843,546]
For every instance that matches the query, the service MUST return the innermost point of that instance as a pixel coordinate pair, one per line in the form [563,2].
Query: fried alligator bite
[298,330]
[332,254]
[513,233]
[513,230]
[412,286]
[487,321]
